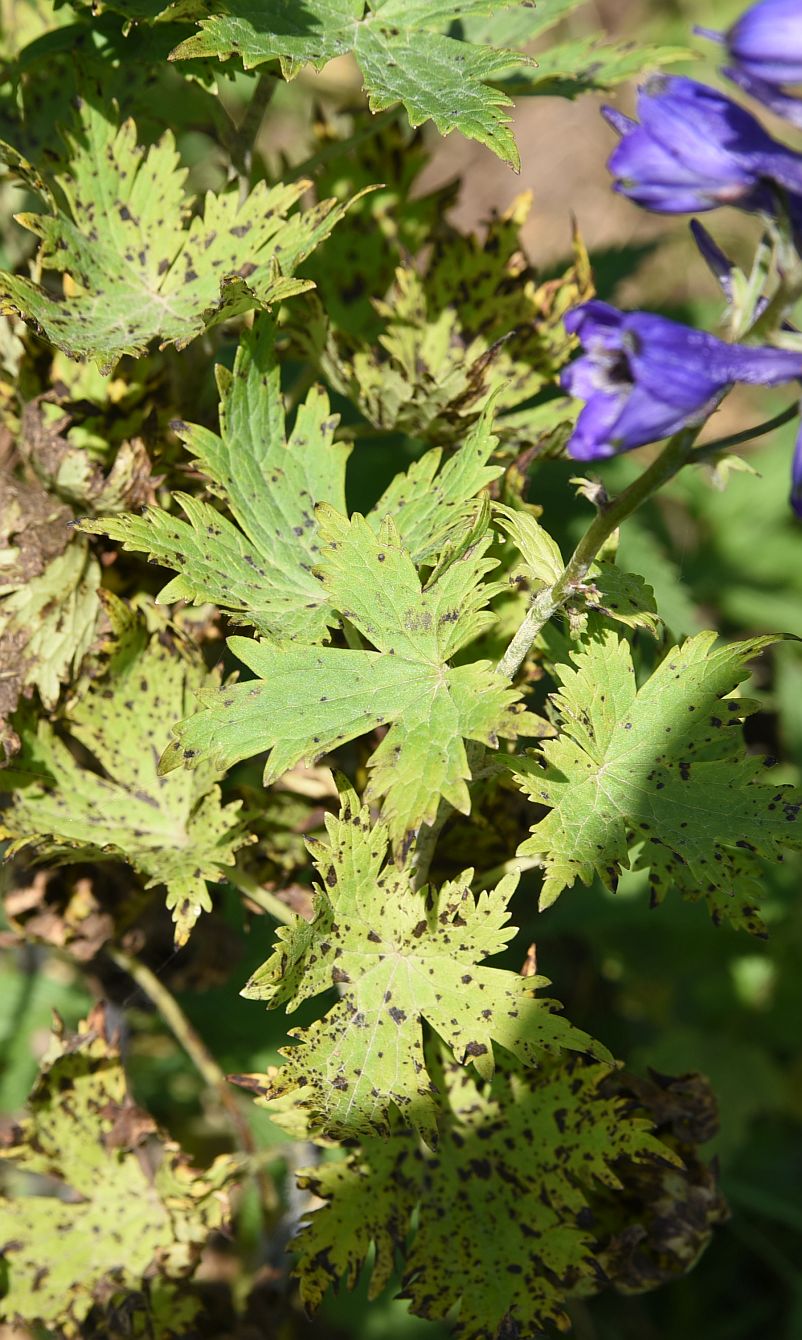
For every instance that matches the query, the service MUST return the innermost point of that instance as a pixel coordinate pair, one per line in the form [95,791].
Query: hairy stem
[191,1041]
[262,897]
[677,452]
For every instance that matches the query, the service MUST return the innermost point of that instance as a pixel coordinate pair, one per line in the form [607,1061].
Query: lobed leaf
[470,322]
[497,1220]
[260,566]
[399,46]
[172,830]
[399,957]
[307,699]
[114,1212]
[658,774]
[135,269]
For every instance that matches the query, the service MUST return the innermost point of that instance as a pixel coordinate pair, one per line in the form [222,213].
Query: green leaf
[172,830]
[306,699]
[258,566]
[114,1213]
[398,44]
[470,322]
[135,269]
[499,1215]
[400,957]
[585,65]
[48,599]
[661,772]
[261,565]
[621,596]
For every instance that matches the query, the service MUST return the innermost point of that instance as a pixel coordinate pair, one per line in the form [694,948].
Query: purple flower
[695,149]
[766,41]
[796,475]
[765,48]
[644,377]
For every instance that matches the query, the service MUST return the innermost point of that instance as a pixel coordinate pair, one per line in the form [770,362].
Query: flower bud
[766,41]
[695,149]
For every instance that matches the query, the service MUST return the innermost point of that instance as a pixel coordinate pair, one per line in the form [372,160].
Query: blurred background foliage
[663,988]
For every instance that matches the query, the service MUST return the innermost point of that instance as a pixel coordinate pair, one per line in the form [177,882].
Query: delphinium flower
[644,378]
[764,47]
[694,149]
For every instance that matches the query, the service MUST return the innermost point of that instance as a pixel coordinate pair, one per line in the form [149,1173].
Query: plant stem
[677,452]
[241,142]
[262,897]
[184,1033]
[747,434]
[338,148]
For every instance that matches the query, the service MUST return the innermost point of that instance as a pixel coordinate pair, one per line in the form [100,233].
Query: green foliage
[121,1199]
[329,417]
[474,321]
[399,46]
[306,699]
[516,1167]
[263,568]
[400,957]
[172,830]
[661,770]
[134,270]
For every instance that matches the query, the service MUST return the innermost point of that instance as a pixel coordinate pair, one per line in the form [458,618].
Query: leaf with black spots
[306,700]
[658,775]
[136,267]
[122,1204]
[400,957]
[495,1225]
[172,830]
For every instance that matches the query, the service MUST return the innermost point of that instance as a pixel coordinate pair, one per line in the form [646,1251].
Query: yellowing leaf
[400,957]
[172,830]
[260,566]
[495,1225]
[48,598]
[119,1205]
[135,270]
[472,321]
[659,772]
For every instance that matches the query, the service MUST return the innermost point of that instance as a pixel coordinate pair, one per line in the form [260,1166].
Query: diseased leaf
[117,1208]
[261,565]
[135,269]
[306,700]
[658,774]
[258,566]
[172,830]
[399,46]
[48,599]
[621,596]
[400,957]
[472,321]
[499,1215]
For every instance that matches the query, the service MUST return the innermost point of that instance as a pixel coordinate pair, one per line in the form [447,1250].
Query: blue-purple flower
[766,41]
[643,378]
[694,149]
[764,48]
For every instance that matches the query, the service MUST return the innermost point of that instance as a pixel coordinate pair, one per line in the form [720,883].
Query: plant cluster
[287,634]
